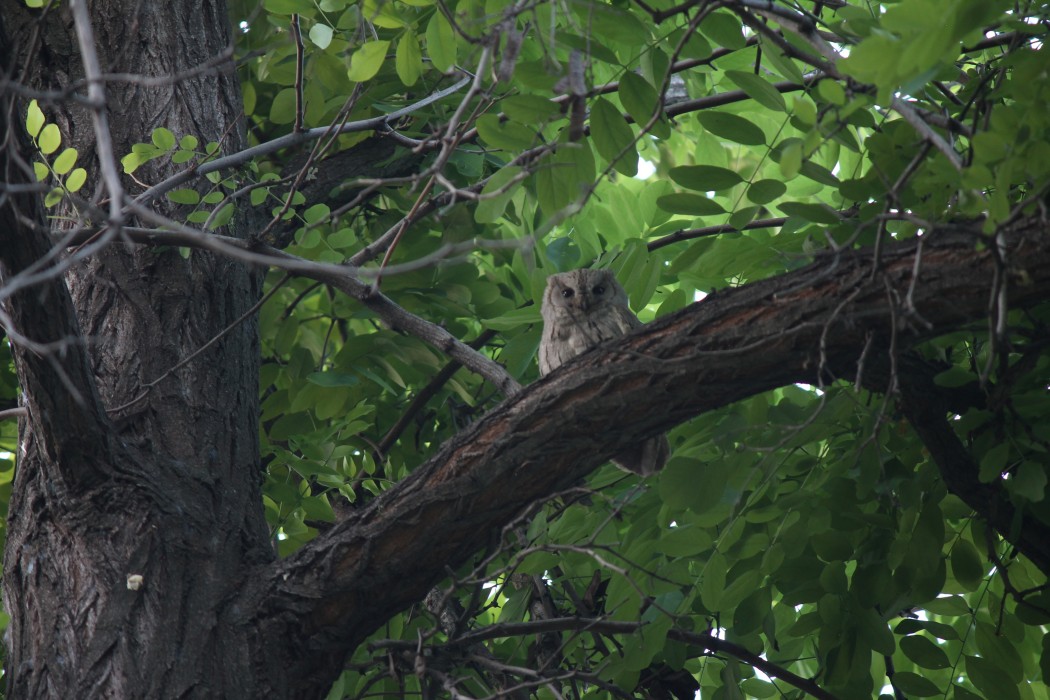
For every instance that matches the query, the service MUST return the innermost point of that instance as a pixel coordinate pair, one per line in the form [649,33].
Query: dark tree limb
[65,413]
[797,327]
[927,412]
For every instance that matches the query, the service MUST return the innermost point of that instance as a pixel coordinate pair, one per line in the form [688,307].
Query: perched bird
[582,309]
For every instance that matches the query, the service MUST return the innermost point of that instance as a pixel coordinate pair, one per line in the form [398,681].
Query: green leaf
[316,213]
[530,109]
[724,29]
[833,578]
[999,651]
[184,196]
[683,541]
[954,377]
[496,193]
[765,191]
[441,42]
[34,119]
[732,127]
[65,161]
[563,253]
[288,7]
[321,35]
[705,178]
[408,61]
[508,135]
[689,204]
[914,685]
[76,179]
[49,139]
[163,138]
[990,679]
[948,605]
[791,159]
[994,462]
[966,564]
[924,653]
[751,611]
[873,631]
[832,91]
[563,177]
[367,60]
[131,162]
[761,91]
[282,109]
[689,483]
[713,581]
[514,319]
[223,216]
[638,97]
[613,138]
[814,213]
[332,379]
[758,688]
[1029,481]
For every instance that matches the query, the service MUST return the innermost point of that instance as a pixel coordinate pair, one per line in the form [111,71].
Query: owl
[582,309]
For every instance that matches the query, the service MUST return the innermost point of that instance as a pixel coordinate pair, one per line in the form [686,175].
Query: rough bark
[168,487]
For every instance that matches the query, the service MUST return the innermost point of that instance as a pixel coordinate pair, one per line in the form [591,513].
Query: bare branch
[97,100]
[240,158]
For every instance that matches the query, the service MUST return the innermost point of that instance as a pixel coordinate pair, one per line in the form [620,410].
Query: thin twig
[297,36]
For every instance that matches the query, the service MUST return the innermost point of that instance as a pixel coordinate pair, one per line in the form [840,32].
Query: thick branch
[795,327]
[926,410]
[65,414]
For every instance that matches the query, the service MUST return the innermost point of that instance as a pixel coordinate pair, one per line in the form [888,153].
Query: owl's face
[580,293]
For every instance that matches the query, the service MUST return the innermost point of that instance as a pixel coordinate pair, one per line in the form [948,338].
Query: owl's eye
[567,293]
[598,289]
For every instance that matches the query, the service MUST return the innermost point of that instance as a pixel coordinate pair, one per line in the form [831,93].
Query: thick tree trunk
[112,483]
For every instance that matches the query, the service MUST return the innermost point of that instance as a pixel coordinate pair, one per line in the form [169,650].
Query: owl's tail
[645,459]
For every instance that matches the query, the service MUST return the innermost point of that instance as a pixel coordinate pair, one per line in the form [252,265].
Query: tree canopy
[832,216]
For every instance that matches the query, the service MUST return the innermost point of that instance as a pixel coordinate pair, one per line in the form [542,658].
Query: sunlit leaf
[732,127]
[49,139]
[34,119]
[408,59]
[65,161]
[704,178]
[321,35]
[613,138]
[441,42]
[761,91]
[367,60]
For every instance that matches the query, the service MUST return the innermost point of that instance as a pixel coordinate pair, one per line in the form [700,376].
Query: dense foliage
[801,540]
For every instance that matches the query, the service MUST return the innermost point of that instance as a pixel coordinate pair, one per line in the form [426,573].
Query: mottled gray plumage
[581,309]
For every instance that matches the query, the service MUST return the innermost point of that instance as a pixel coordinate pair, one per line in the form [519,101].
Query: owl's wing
[624,318]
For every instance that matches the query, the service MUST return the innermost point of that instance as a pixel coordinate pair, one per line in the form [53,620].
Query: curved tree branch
[792,328]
